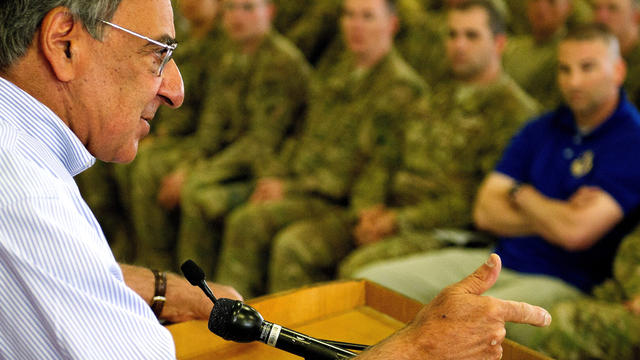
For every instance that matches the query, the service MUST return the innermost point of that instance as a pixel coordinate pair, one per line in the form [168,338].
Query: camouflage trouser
[101,191]
[249,234]
[392,247]
[411,242]
[155,227]
[212,189]
[591,329]
[201,220]
[308,251]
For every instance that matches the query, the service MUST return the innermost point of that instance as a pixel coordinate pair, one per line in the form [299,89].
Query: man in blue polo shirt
[562,197]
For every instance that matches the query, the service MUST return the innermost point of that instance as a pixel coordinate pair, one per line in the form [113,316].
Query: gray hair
[20,19]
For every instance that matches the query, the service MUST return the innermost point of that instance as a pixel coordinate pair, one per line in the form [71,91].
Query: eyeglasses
[165,54]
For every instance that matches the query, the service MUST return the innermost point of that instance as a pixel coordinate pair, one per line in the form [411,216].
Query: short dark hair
[391,6]
[495,17]
[593,31]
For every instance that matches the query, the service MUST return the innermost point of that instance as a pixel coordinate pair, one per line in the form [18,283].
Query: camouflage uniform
[350,140]
[260,98]
[316,28]
[600,327]
[445,159]
[288,12]
[420,40]
[533,66]
[519,23]
[632,81]
[106,187]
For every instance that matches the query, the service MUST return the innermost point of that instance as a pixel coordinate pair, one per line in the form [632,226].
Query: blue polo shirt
[551,154]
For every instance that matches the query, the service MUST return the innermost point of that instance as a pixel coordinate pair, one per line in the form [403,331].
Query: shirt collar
[26,113]
[566,118]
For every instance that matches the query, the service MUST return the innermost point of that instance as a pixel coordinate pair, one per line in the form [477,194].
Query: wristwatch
[514,190]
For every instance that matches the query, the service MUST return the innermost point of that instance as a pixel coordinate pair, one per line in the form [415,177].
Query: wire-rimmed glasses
[166,54]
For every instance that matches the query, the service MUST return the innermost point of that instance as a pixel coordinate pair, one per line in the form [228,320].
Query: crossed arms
[574,224]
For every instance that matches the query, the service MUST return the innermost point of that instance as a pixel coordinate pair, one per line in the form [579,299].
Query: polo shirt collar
[567,120]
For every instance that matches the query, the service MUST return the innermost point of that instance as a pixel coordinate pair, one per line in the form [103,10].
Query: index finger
[523,313]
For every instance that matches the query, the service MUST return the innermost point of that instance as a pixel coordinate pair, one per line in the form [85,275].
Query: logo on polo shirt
[582,165]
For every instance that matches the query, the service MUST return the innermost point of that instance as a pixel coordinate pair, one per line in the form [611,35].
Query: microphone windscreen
[192,272]
[222,317]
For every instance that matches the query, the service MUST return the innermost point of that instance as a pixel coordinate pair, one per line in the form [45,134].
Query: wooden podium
[350,311]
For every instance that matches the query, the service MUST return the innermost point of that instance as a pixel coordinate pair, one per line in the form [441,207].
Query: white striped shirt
[62,294]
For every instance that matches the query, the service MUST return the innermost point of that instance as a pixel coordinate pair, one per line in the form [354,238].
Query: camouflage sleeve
[450,211]
[372,185]
[277,101]
[590,329]
[626,266]
[208,138]
[316,28]
[508,111]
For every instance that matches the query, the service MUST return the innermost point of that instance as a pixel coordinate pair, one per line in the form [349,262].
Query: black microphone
[195,275]
[235,321]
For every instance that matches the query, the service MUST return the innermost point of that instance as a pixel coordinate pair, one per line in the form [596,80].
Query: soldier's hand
[268,189]
[634,305]
[170,189]
[374,224]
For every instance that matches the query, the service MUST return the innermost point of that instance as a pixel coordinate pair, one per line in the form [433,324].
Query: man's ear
[620,70]
[60,37]
[500,41]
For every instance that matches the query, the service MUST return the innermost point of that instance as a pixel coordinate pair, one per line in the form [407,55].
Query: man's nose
[172,88]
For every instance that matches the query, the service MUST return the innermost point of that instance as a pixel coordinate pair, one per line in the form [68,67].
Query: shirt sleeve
[63,292]
[516,159]
[620,174]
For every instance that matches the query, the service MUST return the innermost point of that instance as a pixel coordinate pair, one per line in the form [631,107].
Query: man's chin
[126,156]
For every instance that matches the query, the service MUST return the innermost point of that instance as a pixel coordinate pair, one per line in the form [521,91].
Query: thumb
[482,279]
